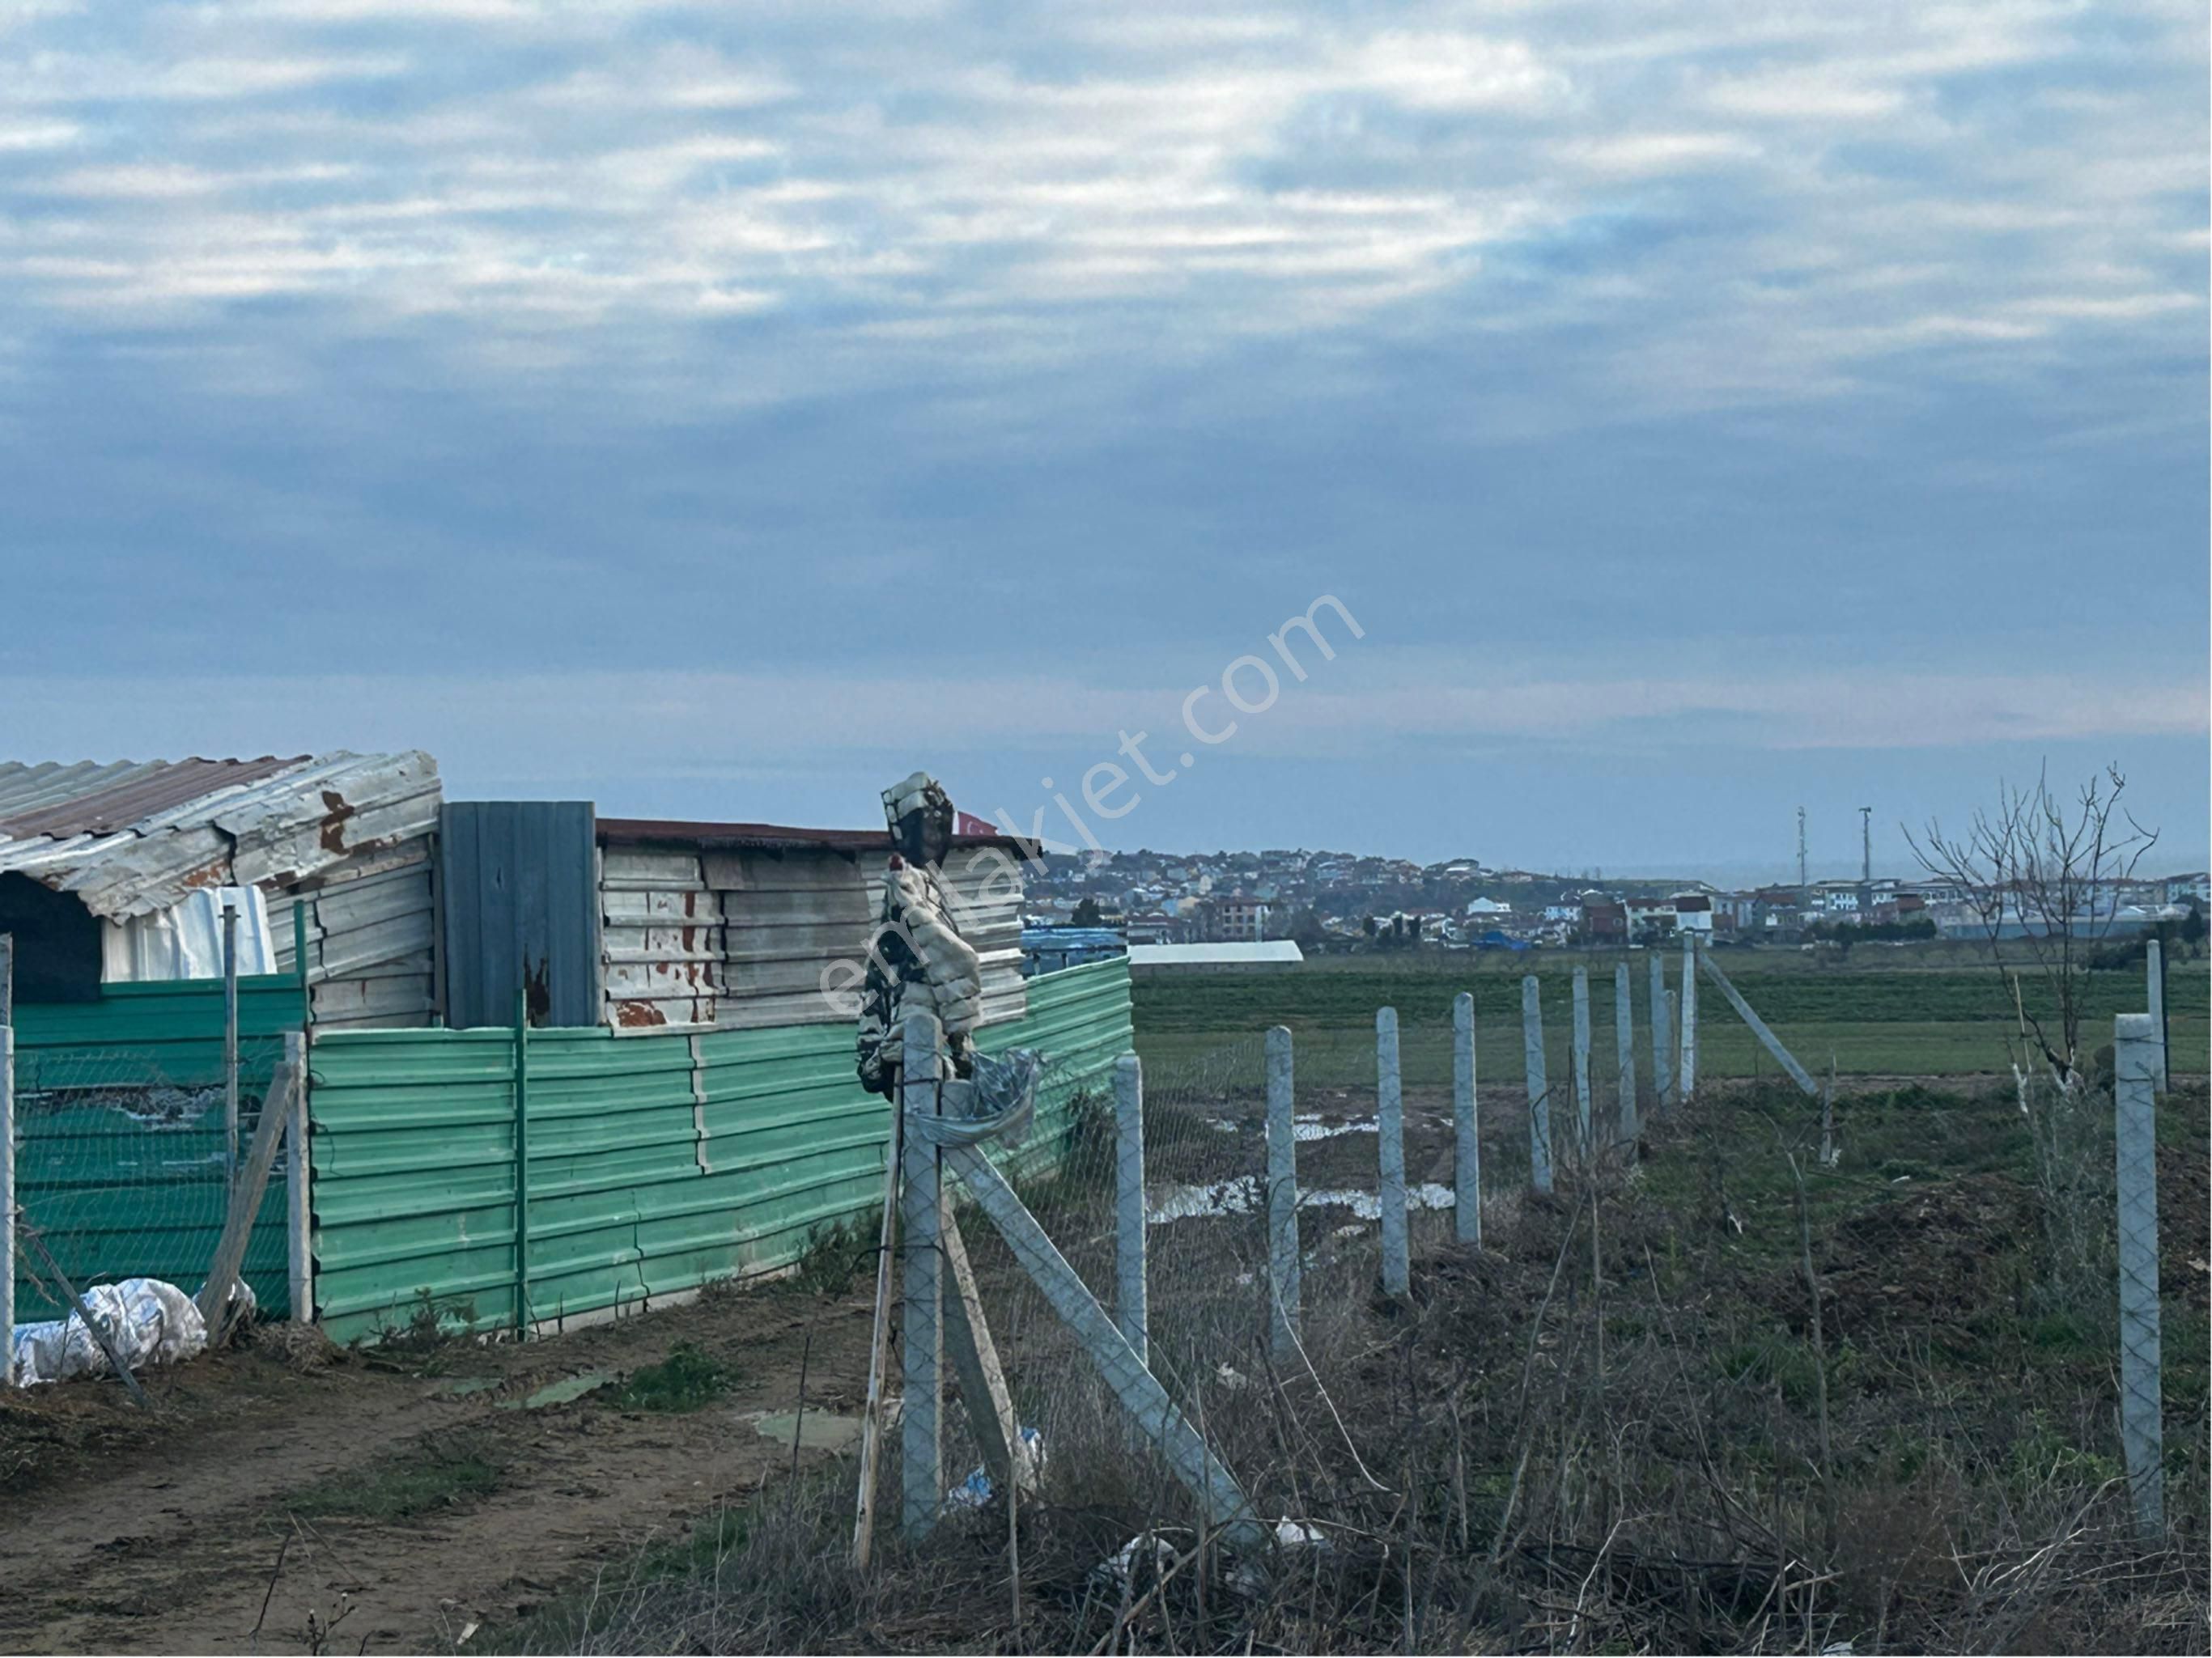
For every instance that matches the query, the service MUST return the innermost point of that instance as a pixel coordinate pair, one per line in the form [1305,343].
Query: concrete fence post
[1132,1311]
[7,1205]
[1686,1072]
[1466,1126]
[922,1267]
[2154,981]
[1663,1036]
[1540,1100]
[230,1031]
[2135,1164]
[1282,1195]
[1582,1061]
[298,1191]
[1624,1047]
[1390,1135]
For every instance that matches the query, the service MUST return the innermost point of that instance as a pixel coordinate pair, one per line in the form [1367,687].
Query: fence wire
[1209,1287]
[122,1170]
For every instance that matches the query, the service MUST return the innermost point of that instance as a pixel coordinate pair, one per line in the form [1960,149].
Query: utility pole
[1866,846]
[1801,858]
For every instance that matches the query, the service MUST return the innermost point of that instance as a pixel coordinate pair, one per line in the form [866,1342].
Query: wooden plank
[975,1366]
[245,1203]
[1221,1500]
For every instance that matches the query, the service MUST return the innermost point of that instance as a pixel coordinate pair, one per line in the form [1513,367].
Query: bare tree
[2042,878]
[2045,873]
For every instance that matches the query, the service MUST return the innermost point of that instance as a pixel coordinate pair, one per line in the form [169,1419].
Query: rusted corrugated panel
[115,798]
[263,822]
[661,936]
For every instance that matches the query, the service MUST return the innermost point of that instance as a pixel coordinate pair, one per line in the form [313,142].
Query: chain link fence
[122,1163]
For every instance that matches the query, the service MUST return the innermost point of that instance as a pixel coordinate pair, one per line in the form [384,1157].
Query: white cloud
[1689,177]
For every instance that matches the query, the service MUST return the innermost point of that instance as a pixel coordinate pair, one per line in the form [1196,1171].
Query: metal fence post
[6,1203]
[1663,1035]
[2136,1162]
[522,1320]
[1581,1061]
[1685,1073]
[1283,1264]
[921,1358]
[296,1175]
[230,1030]
[1131,1313]
[1624,1046]
[2155,977]
[1391,1136]
[1466,1126]
[1540,1101]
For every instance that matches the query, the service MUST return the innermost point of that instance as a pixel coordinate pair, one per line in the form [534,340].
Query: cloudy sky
[1700,409]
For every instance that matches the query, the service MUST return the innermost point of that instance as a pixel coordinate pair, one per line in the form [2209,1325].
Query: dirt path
[407,1505]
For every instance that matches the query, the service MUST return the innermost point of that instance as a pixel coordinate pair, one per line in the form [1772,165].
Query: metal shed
[347,835]
[733,925]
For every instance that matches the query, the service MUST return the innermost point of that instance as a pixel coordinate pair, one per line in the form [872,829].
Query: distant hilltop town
[1329,901]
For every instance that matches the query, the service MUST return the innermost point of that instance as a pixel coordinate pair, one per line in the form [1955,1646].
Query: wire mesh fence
[1211,1313]
[123,1168]
[1211,1318]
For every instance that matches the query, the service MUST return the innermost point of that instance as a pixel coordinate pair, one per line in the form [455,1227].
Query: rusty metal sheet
[90,799]
[261,822]
[661,938]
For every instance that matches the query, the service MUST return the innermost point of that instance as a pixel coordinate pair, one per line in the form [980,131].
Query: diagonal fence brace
[1783,1056]
[1219,1496]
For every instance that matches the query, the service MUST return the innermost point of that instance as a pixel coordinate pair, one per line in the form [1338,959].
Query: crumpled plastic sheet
[149,1322]
[997,1104]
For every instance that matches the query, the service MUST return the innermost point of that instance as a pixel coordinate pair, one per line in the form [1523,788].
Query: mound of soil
[1943,1253]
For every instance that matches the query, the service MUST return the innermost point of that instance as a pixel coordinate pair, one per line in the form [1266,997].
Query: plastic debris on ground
[149,1322]
[1250,1578]
[976,1489]
[1118,1569]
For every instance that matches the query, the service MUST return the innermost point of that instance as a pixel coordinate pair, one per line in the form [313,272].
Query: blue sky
[1702,409]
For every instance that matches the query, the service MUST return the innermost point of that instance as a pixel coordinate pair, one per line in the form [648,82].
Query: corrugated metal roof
[59,801]
[130,838]
[766,837]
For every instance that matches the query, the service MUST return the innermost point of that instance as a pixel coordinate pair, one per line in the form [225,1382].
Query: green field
[1883,1014]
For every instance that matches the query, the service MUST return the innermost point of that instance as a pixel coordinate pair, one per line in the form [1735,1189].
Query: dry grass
[1626,1425]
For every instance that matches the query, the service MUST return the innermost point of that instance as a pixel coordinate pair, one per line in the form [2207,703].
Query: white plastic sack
[149,1322]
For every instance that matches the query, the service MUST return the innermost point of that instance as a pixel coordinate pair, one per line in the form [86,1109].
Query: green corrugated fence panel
[413,1154]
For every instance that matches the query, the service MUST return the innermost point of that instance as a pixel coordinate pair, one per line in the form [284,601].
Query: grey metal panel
[791,912]
[371,924]
[517,879]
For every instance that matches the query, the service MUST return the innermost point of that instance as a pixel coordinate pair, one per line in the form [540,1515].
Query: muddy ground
[359,1508]
[286,1499]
